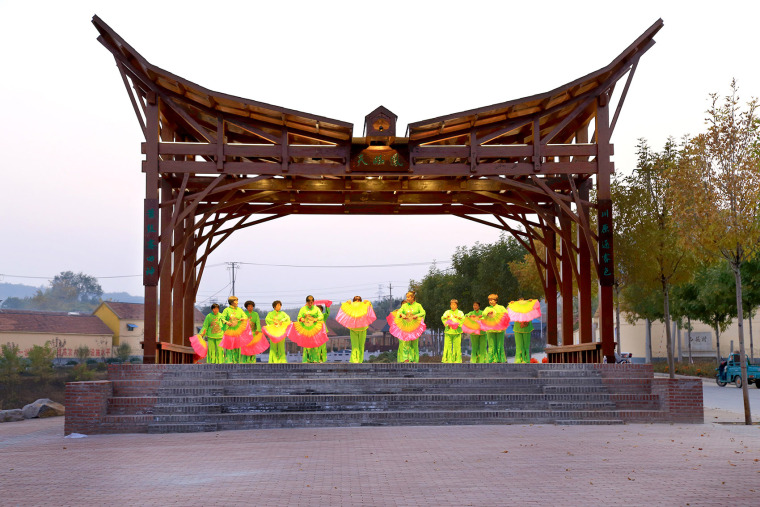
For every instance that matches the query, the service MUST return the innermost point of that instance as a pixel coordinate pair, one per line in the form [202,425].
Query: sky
[72,187]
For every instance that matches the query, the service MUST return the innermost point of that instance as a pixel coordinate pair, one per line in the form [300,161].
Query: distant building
[65,332]
[127,322]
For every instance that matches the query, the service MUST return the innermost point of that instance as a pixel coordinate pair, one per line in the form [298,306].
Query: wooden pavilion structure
[216,163]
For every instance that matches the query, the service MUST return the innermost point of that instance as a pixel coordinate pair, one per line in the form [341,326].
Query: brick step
[392,369]
[262,403]
[388,418]
[330,403]
[496,381]
[568,422]
[198,427]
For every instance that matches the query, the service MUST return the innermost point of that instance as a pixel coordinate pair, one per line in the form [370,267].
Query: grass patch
[700,368]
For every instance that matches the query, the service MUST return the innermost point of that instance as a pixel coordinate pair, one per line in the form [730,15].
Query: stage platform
[193,398]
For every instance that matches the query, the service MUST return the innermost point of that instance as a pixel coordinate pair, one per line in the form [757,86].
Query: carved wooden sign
[379,159]
[150,243]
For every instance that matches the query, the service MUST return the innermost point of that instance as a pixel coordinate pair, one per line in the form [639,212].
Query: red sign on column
[150,243]
[606,258]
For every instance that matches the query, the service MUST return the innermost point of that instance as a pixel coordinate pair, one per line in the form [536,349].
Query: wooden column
[165,279]
[584,272]
[566,286]
[603,182]
[550,291]
[151,192]
[178,279]
[189,295]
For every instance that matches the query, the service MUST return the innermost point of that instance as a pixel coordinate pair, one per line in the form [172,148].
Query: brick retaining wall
[86,406]
[680,399]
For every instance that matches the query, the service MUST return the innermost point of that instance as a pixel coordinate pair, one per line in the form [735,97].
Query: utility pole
[232,266]
[390,291]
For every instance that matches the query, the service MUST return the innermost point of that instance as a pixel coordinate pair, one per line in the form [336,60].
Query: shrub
[82,353]
[123,352]
[101,366]
[11,365]
[389,356]
[41,361]
[81,373]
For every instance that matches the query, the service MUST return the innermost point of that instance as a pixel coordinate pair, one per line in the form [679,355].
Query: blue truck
[730,370]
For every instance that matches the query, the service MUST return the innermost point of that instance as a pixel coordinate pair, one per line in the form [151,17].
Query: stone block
[42,408]
[13,415]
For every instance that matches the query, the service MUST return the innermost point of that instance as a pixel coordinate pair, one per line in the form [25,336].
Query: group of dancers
[237,336]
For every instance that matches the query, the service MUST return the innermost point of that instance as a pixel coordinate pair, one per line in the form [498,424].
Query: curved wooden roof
[209,101]
[550,107]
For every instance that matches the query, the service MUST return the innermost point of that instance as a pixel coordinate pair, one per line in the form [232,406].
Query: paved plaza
[716,463]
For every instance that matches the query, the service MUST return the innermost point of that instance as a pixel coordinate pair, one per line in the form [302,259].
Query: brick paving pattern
[634,464]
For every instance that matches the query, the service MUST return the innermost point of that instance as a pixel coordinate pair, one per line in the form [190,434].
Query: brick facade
[178,398]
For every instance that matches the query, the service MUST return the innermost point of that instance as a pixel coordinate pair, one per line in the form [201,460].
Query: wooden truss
[215,164]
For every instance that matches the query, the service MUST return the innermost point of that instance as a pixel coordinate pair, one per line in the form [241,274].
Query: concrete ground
[716,463]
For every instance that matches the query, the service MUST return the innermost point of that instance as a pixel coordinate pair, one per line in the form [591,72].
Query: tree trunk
[742,355]
[617,317]
[688,337]
[668,335]
[678,334]
[648,342]
[751,344]
[717,342]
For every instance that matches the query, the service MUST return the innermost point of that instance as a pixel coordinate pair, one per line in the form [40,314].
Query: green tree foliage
[708,298]
[82,353]
[718,191]
[385,306]
[67,292]
[41,361]
[123,351]
[11,366]
[645,225]
[476,272]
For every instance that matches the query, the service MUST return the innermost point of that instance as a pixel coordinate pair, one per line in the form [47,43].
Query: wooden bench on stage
[169,353]
[577,353]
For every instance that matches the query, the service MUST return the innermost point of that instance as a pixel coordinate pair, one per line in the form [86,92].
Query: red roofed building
[64,331]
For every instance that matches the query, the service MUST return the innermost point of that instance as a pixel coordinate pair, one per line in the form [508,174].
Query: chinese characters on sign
[150,242]
[606,256]
[378,158]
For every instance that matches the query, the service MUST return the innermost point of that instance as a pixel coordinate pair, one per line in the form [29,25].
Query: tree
[68,292]
[41,361]
[709,298]
[82,353]
[526,273]
[123,352]
[79,287]
[645,219]
[11,366]
[718,191]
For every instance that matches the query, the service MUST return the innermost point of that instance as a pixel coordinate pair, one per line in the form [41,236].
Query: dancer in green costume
[522,341]
[409,351]
[452,341]
[279,322]
[495,339]
[255,321]
[234,320]
[477,340]
[322,349]
[310,314]
[212,330]
[358,337]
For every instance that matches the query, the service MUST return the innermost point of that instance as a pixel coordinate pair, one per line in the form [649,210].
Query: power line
[212,296]
[347,266]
